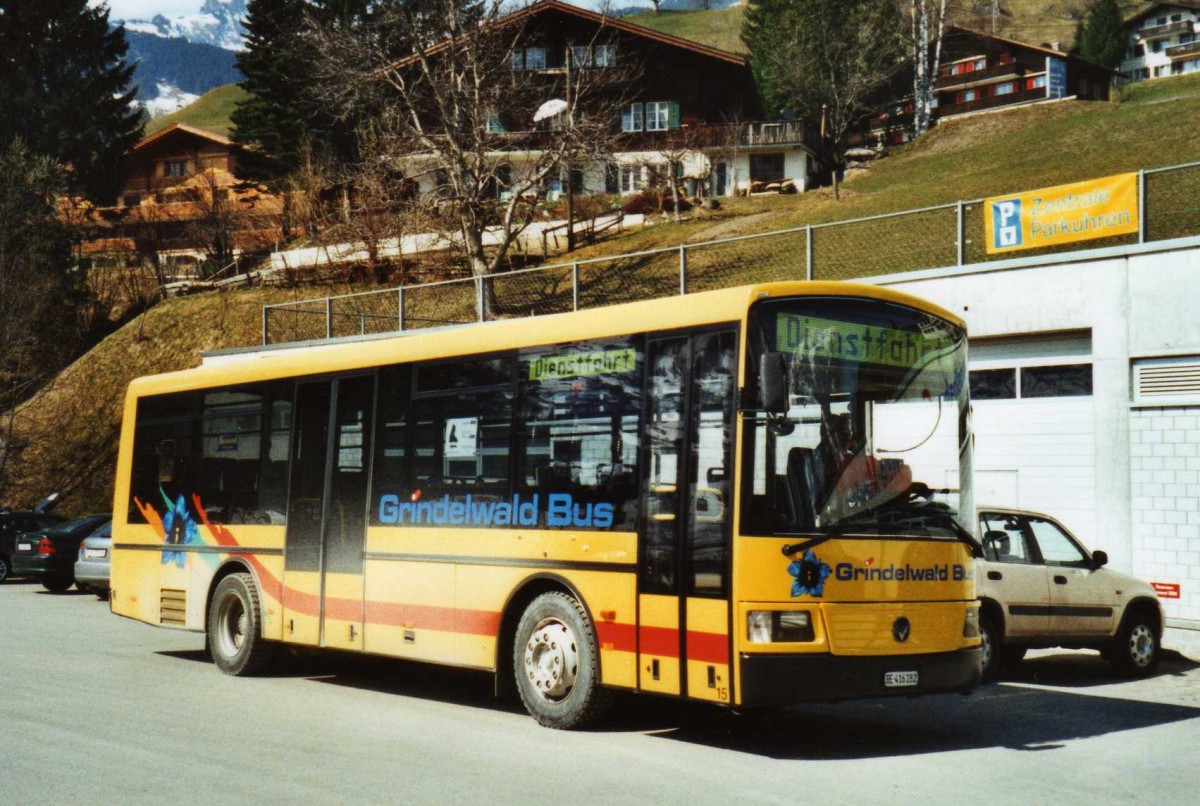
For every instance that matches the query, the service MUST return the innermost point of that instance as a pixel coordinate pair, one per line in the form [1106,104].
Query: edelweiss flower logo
[180,529]
[809,575]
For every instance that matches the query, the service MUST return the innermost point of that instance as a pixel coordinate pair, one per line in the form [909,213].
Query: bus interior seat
[798,488]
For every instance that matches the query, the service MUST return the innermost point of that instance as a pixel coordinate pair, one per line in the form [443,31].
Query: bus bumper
[783,679]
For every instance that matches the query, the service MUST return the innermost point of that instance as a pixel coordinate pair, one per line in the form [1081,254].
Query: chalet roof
[185,128]
[1154,8]
[545,6]
[1061,54]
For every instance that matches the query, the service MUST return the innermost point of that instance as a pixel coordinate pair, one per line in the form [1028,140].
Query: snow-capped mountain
[218,22]
[167,99]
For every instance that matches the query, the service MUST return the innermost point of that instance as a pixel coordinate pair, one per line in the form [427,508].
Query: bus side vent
[1165,381]
[172,607]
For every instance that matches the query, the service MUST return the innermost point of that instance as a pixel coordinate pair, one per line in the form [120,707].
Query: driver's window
[1056,547]
[1004,539]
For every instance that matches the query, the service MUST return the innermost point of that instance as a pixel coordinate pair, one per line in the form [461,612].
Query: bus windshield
[875,438]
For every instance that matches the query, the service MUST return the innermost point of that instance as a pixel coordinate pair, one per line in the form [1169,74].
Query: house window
[535,58]
[581,56]
[175,168]
[631,178]
[1037,82]
[495,125]
[1005,89]
[516,60]
[966,96]
[604,56]
[661,116]
[1069,380]
[766,168]
[1158,46]
[631,118]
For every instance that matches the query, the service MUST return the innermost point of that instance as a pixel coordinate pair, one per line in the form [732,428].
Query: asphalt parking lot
[98,708]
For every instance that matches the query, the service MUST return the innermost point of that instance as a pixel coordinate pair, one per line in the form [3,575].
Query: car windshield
[876,433]
[76,527]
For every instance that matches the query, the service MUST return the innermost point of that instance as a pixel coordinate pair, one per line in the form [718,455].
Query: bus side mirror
[772,383]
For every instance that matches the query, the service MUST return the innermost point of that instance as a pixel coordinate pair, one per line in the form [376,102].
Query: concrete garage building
[1087,367]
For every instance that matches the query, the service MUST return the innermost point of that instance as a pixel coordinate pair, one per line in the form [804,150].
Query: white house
[1163,40]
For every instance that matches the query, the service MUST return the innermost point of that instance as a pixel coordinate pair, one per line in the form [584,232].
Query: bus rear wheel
[557,664]
[235,628]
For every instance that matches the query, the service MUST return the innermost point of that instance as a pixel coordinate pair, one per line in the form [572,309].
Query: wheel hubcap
[232,626]
[1141,645]
[552,659]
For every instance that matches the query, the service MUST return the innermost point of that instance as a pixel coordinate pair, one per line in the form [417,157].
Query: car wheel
[989,647]
[1011,655]
[1136,650]
[4,567]
[56,584]
[235,628]
[556,663]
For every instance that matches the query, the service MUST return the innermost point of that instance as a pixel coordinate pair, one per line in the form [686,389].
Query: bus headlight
[971,624]
[771,626]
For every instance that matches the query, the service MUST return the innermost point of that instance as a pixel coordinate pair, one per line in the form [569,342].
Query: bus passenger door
[683,620]
[326,531]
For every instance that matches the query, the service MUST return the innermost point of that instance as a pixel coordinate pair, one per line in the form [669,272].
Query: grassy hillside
[719,28]
[1032,21]
[210,111]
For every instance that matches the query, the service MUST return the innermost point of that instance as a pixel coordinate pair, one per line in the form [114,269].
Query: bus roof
[249,364]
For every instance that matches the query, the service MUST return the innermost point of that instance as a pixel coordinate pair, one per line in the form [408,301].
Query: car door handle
[996,575]
[1060,579]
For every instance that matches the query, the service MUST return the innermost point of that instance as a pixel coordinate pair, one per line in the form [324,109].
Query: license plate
[24,547]
[95,554]
[899,679]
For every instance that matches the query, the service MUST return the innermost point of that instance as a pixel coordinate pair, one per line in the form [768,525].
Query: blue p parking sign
[1006,224]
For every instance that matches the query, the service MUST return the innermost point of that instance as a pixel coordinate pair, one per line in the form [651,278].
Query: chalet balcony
[1159,31]
[1183,51]
[1025,96]
[696,136]
[984,76]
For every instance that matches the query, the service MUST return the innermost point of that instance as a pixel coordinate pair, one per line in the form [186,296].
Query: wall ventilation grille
[1167,381]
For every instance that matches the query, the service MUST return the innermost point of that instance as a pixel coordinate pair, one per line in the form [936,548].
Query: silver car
[92,567]
[1040,587]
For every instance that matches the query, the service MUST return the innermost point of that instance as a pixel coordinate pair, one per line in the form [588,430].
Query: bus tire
[1136,648]
[557,665]
[234,635]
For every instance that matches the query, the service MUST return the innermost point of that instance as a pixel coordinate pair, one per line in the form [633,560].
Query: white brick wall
[1165,491]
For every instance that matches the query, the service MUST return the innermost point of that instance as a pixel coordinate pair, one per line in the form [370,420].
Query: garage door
[1035,426]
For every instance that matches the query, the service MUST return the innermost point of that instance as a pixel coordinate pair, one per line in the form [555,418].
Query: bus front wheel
[235,628]
[556,663]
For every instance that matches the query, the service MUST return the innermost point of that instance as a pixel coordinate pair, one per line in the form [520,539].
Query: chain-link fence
[932,237]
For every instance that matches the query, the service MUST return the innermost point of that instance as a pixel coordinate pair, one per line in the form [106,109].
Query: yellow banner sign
[1098,208]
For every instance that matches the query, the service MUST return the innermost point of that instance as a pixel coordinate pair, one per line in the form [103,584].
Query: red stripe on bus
[427,617]
[661,641]
[616,636]
[708,647]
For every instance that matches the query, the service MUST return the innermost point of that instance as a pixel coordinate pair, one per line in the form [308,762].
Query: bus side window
[580,407]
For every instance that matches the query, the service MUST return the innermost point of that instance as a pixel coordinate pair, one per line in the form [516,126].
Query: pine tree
[1103,40]
[827,61]
[65,90]
[271,120]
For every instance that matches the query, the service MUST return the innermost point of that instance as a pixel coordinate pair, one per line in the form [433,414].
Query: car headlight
[971,623]
[774,626]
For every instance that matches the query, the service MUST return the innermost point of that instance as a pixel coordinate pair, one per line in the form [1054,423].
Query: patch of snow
[217,22]
[168,99]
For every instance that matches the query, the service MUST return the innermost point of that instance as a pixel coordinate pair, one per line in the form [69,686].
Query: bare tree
[474,109]
[927,25]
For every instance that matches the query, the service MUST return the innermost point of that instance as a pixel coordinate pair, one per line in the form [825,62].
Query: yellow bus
[750,496]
